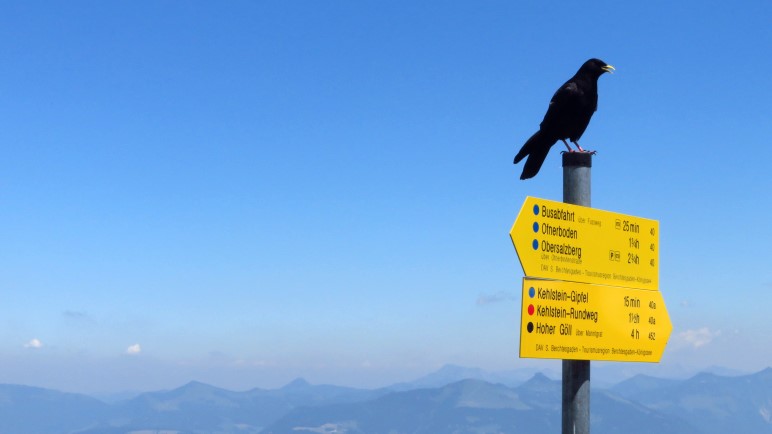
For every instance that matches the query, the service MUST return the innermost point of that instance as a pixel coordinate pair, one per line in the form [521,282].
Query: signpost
[556,240]
[567,320]
[591,290]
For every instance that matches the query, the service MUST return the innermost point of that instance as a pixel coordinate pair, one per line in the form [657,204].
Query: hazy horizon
[604,374]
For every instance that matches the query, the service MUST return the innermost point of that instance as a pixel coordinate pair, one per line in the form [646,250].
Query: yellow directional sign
[568,320]
[556,240]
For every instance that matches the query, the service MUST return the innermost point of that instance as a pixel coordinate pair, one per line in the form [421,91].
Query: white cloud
[499,297]
[699,337]
[34,343]
[134,349]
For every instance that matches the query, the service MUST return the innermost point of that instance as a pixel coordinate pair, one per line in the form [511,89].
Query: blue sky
[246,192]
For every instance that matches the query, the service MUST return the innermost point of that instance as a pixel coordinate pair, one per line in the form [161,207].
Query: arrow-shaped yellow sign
[556,240]
[567,320]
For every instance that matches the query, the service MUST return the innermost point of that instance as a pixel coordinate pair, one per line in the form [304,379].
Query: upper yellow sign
[556,240]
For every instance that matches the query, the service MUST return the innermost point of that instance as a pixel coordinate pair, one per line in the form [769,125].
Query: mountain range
[441,402]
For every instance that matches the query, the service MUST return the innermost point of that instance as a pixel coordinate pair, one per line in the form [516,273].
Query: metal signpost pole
[576,373]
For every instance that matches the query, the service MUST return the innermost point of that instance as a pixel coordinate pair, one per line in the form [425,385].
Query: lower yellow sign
[567,320]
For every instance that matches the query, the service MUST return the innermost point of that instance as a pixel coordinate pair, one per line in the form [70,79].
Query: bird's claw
[583,151]
[586,151]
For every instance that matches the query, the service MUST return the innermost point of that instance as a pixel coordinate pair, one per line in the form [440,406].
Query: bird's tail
[536,148]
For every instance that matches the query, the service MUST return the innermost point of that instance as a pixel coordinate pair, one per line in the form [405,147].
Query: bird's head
[596,67]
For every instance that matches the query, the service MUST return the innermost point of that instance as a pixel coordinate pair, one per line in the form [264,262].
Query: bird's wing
[569,94]
[563,106]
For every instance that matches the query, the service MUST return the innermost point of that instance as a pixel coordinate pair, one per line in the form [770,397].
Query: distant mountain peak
[705,377]
[766,373]
[450,369]
[540,383]
[196,385]
[466,383]
[193,388]
[298,383]
[454,367]
[539,378]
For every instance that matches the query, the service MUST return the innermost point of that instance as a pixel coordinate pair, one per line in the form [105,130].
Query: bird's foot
[584,150]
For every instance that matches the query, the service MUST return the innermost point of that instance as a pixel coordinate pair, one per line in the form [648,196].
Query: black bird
[567,117]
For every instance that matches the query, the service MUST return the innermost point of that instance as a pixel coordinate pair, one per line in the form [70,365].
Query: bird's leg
[570,149]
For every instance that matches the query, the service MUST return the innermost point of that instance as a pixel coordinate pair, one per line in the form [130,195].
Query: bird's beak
[608,68]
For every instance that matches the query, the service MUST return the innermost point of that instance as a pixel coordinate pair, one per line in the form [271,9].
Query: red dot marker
[530,309]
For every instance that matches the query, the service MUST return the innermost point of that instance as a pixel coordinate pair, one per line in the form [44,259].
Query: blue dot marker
[531,292]
[536,210]
[536,244]
[536,227]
